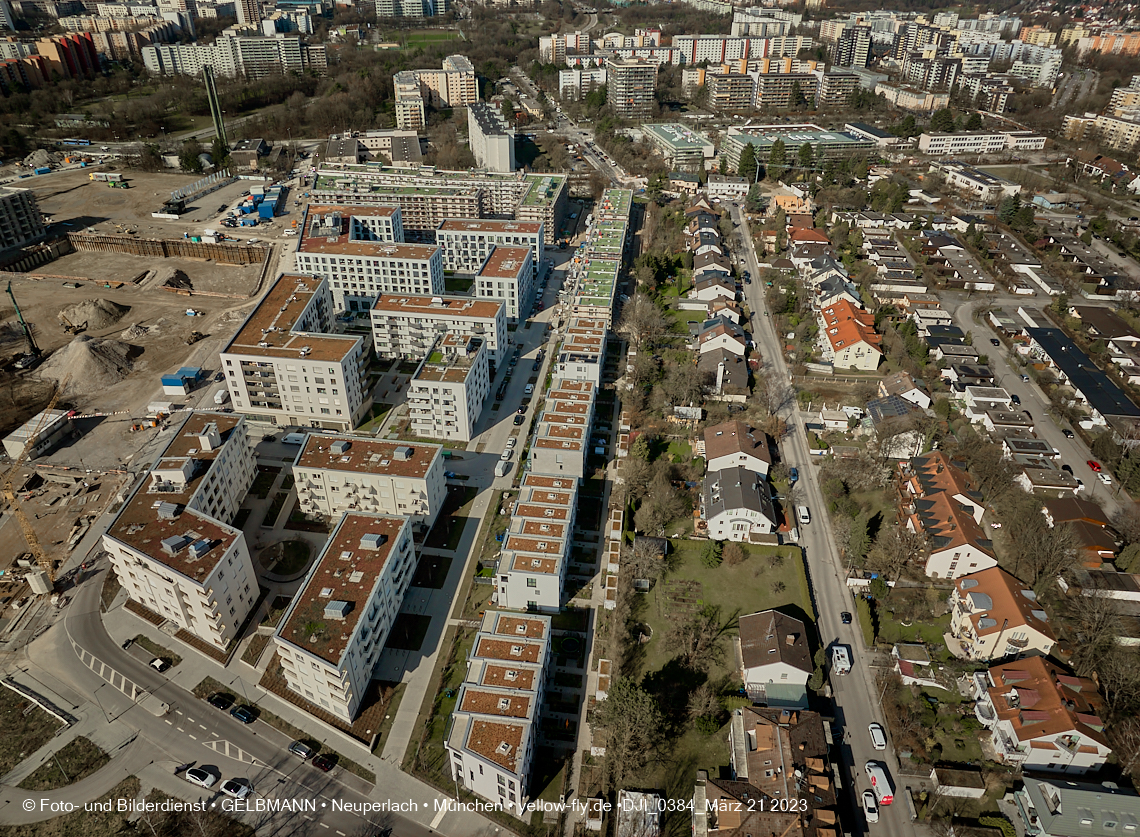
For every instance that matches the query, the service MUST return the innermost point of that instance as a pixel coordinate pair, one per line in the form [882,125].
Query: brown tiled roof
[772,637]
[1040,699]
[497,675]
[736,437]
[1010,609]
[947,522]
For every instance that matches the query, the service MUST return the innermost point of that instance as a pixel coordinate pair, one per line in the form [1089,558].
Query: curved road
[79,652]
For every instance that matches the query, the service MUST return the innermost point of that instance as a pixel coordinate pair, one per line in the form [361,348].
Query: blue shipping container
[43,170]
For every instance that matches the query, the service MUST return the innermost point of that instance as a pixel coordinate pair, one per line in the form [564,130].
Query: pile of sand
[40,157]
[92,364]
[98,314]
[136,331]
[172,277]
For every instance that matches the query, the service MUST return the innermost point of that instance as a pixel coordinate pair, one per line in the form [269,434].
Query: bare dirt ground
[76,202]
[207,276]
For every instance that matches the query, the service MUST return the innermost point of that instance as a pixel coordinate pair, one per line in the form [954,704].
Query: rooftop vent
[337,610]
[403,452]
[373,541]
[326,592]
[356,577]
[340,446]
[199,548]
[174,545]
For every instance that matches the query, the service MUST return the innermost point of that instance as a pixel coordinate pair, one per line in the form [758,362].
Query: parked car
[244,714]
[220,700]
[870,807]
[794,474]
[1067,469]
[529,389]
[1015,398]
[845,617]
[878,737]
[511,442]
[1094,465]
[1067,432]
[300,748]
[201,777]
[1105,478]
[159,664]
[994,341]
[237,788]
[324,762]
[519,419]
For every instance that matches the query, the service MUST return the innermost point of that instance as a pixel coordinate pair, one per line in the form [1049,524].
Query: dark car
[220,700]
[324,762]
[747,280]
[221,376]
[522,410]
[1067,470]
[536,366]
[519,419]
[994,341]
[1068,433]
[244,714]
[1015,398]
[794,474]
[845,618]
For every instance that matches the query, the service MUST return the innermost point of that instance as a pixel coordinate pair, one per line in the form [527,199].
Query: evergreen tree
[1008,208]
[974,123]
[797,99]
[723,164]
[806,158]
[942,121]
[777,160]
[907,128]
[747,167]
[188,158]
[219,153]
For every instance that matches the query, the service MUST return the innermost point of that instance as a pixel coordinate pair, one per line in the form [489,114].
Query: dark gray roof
[771,637]
[1062,806]
[892,406]
[1098,389]
[737,488]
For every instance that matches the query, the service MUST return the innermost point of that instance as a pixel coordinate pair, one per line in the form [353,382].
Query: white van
[803,515]
[840,659]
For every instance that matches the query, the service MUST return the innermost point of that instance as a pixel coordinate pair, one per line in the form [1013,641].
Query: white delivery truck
[222,396]
[503,467]
[880,784]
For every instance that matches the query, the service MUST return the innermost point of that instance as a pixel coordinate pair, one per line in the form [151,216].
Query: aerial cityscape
[467,419]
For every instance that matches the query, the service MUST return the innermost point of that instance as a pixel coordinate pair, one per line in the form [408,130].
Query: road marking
[193,737]
[342,834]
[203,726]
[167,720]
[322,825]
[438,817]
[180,729]
[306,816]
[177,711]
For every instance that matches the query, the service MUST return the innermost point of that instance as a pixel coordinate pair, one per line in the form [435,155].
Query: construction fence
[236,254]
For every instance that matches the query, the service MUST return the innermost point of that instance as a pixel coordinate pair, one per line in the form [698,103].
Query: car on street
[878,737]
[536,366]
[159,664]
[1105,478]
[505,455]
[220,700]
[221,376]
[244,714]
[1094,465]
[521,410]
[845,617]
[870,807]
[519,419]
[529,389]
[794,474]
[201,777]
[1013,396]
[300,748]
[511,442]
[994,341]
[324,762]
[1025,378]
[1067,433]
[237,788]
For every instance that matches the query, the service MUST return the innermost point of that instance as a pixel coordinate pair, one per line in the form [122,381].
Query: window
[532,582]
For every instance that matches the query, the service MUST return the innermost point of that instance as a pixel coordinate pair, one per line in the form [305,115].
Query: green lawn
[26,729]
[157,650]
[253,650]
[738,590]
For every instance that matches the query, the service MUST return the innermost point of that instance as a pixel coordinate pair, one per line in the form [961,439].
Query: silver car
[870,807]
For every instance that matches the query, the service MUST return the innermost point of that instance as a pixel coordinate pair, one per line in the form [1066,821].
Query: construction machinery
[70,327]
[30,341]
[42,558]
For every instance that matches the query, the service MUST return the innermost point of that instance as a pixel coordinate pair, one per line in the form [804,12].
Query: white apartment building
[972,143]
[493,729]
[491,138]
[446,395]
[453,85]
[410,114]
[230,56]
[408,326]
[331,637]
[344,247]
[171,545]
[20,219]
[562,432]
[577,82]
[507,277]
[283,363]
[532,564]
[338,475]
[467,242]
[582,355]
[356,223]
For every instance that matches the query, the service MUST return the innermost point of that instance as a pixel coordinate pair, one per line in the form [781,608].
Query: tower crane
[33,349]
[9,492]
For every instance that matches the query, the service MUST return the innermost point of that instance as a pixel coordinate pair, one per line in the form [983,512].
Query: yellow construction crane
[9,492]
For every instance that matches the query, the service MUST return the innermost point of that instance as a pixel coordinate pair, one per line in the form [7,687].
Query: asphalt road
[856,695]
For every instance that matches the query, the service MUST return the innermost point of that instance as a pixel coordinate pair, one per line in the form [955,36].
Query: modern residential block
[284,363]
[20,219]
[630,87]
[337,475]
[582,355]
[330,638]
[408,326]
[410,112]
[532,564]
[467,242]
[492,736]
[562,431]
[507,277]
[446,394]
[491,137]
[171,544]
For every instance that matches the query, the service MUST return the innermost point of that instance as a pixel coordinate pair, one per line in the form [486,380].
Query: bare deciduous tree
[642,322]
[894,548]
[632,722]
[703,702]
[699,640]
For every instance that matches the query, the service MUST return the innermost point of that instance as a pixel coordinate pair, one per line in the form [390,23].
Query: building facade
[467,242]
[562,431]
[507,276]
[536,549]
[491,138]
[285,364]
[408,326]
[337,475]
[20,219]
[330,638]
[447,392]
[630,87]
[171,544]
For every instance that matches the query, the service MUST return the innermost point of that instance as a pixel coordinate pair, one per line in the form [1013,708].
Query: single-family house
[734,443]
[737,505]
[905,387]
[727,375]
[774,658]
[720,333]
[848,337]
[711,286]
